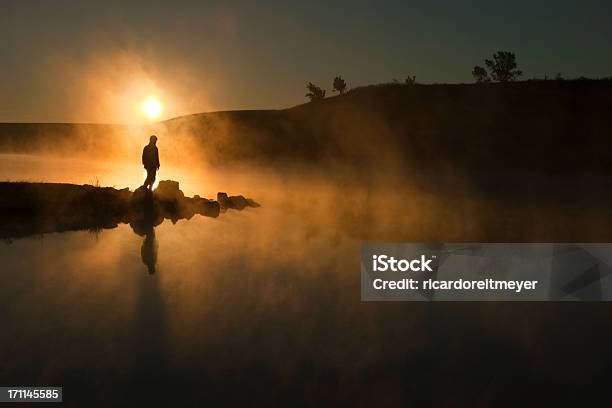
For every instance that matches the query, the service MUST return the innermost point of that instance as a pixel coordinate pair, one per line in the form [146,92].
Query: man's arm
[157,157]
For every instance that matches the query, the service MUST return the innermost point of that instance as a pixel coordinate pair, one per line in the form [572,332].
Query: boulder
[207,208]
[238,202]
[224,200]
[38,208]
[168,190]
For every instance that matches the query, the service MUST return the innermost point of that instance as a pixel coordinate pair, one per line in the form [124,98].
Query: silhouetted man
[150,161]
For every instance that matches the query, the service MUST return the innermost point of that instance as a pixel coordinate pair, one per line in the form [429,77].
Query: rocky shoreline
[39,208]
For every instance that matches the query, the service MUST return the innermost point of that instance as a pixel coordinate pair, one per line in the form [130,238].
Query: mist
[393,162]
[236,277]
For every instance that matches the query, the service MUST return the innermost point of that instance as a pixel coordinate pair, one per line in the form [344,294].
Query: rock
[139,194]
[224,200]
[172,200]
[238,202]
[253,203]
[208,208]
[37,208]
[168,190]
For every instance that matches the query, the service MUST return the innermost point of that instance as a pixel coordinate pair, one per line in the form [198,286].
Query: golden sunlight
[152,107]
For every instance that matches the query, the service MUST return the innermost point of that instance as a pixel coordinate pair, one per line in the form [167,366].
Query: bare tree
[410,80]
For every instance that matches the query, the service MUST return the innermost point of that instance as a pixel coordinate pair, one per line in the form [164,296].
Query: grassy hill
[525,126]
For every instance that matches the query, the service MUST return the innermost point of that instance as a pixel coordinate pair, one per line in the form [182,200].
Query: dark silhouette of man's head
[153,139]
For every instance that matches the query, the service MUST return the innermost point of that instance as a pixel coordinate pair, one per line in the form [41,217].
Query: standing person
[150,161]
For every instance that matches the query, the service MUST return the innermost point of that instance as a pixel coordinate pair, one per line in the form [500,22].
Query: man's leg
[150,179]
[153,174]
[146,180]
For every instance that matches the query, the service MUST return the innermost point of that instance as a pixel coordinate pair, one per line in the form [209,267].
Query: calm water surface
[260,306]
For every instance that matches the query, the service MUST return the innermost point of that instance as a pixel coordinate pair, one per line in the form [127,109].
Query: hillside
[526,126]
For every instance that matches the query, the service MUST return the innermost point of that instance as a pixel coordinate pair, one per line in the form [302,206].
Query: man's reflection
[148,251]
[144,225]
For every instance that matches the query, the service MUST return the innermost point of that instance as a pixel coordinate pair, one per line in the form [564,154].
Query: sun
[152,107]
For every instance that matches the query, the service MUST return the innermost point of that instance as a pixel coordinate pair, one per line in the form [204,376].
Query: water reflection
[148,251]
[267,302]
[144,225]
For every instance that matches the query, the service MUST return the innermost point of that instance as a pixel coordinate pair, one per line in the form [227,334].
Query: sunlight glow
[152,107]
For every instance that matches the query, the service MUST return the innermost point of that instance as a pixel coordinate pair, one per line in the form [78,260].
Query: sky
[86,61]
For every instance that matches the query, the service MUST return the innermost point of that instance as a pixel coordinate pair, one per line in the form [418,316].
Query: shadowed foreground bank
[39,208]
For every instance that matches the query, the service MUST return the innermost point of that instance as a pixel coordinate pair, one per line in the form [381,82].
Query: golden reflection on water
[217,282]
[274,288]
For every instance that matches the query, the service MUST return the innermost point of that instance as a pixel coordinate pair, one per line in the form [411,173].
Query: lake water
[260,306]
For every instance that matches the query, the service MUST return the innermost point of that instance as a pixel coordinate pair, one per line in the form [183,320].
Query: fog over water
[262,307]
[249,289]
[267,300]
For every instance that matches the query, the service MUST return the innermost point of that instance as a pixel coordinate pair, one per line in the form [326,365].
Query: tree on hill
[502,67]
[339,85]
[410,80]
[480,74]
[314,92]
